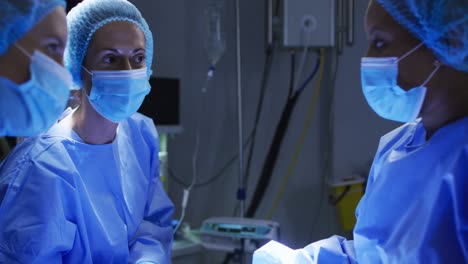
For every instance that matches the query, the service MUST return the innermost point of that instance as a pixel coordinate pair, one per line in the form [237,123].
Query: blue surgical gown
[415,209]
[64,201]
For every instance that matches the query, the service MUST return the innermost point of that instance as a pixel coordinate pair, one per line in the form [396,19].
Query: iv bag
[215,36]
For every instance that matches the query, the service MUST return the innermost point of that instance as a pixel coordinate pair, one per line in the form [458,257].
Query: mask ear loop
[437,65]
[23,51]
[86,70]
[90,74]
[410,52]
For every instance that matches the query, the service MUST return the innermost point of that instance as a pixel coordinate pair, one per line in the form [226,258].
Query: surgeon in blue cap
[34,85]
[88,190]
[415,209]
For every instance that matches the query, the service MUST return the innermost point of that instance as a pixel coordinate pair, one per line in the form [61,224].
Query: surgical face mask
[384,95]
[117,95]
[32,107]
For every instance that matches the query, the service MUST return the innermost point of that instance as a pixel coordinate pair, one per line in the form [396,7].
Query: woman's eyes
[54,49]
[140,58]
[112,59]
[378,43]
[109,59]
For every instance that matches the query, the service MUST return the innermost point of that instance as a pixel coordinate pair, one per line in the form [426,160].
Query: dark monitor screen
[162,104]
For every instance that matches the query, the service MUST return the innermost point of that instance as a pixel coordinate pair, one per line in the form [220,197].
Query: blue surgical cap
[441,24]
[87,17]
[17,17]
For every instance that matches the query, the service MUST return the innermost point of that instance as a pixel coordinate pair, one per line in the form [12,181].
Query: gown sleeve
[35,223]
[152,242]
[332,250]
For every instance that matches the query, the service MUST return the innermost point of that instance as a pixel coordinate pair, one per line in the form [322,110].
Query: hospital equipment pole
[241,190]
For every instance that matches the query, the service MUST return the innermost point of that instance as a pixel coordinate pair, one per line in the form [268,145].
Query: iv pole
[241,190]
[216,238]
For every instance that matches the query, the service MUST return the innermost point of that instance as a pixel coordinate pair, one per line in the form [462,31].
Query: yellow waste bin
[345,196]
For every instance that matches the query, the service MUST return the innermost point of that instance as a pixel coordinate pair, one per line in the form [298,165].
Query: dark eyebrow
[109,49]
[376,30]
[138,50]
[117,51]
[49,38]
[373,30]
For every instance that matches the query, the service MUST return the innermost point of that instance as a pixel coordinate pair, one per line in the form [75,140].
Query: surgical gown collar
[63,128]
[418,138]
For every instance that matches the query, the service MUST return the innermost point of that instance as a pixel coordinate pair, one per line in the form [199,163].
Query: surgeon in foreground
[88,190]
[415,209]
[34,85]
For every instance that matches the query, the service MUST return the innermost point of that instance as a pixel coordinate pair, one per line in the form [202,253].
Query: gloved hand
[277,253]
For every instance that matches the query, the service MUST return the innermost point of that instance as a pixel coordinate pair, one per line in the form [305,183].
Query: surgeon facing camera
[88,189]
[34,85]
[415,209]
